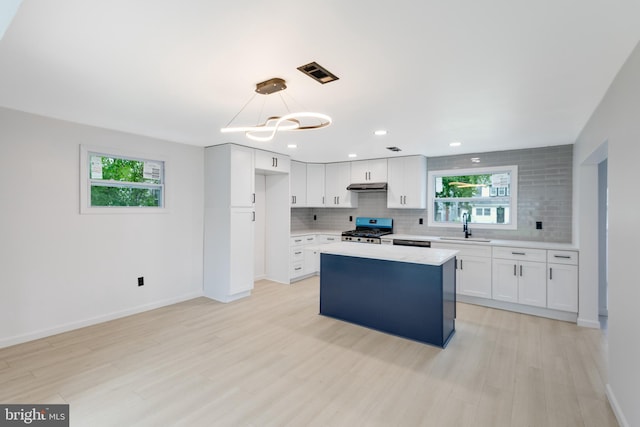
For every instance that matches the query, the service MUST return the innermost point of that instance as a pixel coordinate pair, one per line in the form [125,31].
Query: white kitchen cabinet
[298,184]
[301,262]
[241,249]
[369,171]
[519,276]
[473,268]
[228,229]
[562,280]
[315,185]
[407,182]
[241,175]
[267,161]
[337,179]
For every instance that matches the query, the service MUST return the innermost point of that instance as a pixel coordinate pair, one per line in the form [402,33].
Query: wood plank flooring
[271,360]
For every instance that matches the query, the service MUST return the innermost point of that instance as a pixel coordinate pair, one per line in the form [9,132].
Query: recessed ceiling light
[292,146]
[352,155]
[380,132]
[455,144]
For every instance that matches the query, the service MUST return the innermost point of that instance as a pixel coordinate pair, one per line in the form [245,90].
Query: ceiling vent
[396,149]
[318,72]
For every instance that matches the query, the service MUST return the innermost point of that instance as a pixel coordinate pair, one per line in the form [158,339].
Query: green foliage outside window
[122,182]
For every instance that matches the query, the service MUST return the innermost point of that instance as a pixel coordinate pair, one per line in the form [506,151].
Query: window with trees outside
[115,181]
[488,197]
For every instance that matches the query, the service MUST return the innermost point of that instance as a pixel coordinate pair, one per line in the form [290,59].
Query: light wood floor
[272,360]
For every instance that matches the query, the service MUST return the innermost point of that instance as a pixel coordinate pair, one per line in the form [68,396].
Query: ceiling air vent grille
[318,72]
[396,149]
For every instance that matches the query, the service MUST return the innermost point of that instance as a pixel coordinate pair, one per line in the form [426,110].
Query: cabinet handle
[253,198]
[309,239]
[520,271]
[297,253]
[292,200]
[276,162]
[518,253]
[514,270]
[562,256]
[460,264]
[254,216]
[338,198]
[298,240]
[295,199]
[298,268]
[550,273]
[331,238]
[323,200]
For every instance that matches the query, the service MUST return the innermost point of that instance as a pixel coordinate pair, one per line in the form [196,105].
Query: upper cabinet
[298,185]
[407,182]
[241,175]
[369,171]
[337,179]
[272,162]
[315,185]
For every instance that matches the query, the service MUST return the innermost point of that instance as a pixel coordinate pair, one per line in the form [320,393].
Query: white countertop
[414,255]
[486,242]
[308,232]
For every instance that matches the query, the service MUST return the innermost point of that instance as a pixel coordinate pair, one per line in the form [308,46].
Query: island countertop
[415,255]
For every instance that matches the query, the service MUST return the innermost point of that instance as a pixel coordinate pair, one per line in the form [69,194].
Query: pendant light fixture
[267,130]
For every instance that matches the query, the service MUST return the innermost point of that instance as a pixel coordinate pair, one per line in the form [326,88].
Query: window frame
[513,196]
[86,151]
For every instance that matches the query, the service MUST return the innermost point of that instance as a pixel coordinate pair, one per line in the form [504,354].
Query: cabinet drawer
[520,254]
[297,269]
[295,241]
[562,257]
[326,238]
[297,254]
[465,249]
[309,240]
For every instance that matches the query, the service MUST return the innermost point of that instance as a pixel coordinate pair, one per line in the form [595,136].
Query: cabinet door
[242,179]
[274,162]
[359,171]
[562,287]
[505,280]
[415,182]
[378,170]
[337,178]
[407,179]
[241,250]
[532,283]
[395,187]
[476,276]
[315,185]
[298,179]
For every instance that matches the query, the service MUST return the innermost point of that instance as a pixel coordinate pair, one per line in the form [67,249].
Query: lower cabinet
[562,280]
[306,262]
[473,268]
[519,275]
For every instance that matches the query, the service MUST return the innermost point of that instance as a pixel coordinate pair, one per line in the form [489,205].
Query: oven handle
[416,243]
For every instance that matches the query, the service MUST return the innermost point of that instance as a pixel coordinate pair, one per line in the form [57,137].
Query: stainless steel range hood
[368,187]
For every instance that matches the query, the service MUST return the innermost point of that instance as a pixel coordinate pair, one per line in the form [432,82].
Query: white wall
[59,269]
[615,125]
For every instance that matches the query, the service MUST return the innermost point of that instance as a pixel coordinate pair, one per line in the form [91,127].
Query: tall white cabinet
[407,182]
[229,222]
[315,185]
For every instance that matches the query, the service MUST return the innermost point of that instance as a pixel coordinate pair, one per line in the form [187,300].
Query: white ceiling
[494,74]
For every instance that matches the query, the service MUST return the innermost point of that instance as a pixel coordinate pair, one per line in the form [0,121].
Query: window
[113,181]
[488,197]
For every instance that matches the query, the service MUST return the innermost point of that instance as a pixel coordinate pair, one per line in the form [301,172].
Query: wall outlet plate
[140,281]
[538,225]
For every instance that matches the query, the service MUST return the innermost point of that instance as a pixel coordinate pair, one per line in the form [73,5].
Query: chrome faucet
[465,225]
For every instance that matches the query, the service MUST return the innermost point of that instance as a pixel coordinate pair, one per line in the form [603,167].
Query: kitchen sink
[465,239]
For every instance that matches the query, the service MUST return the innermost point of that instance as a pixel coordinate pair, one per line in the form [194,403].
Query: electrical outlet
[350,218]
[538,225]
[420,221]
[315,217]
[140,281]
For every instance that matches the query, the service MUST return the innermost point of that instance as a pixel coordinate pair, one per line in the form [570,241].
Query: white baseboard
[519,308]
[616,407]
[43,333]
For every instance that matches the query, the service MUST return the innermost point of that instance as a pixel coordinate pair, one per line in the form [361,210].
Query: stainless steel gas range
[369,230]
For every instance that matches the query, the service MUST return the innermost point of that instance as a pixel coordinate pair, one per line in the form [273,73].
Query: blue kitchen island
[405,291]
